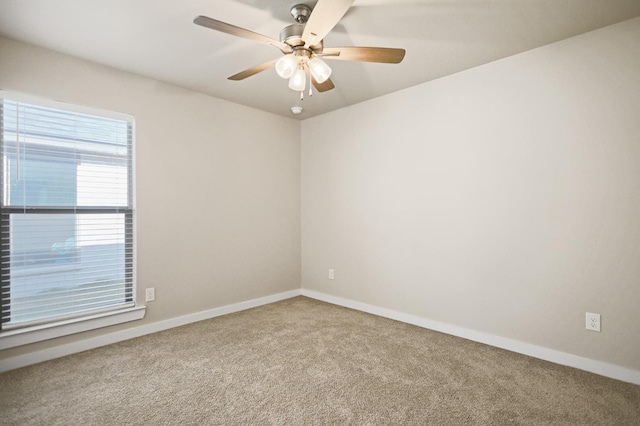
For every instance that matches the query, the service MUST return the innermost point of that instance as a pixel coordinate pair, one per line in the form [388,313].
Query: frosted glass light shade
[298,80]
[319,69]
[286,65]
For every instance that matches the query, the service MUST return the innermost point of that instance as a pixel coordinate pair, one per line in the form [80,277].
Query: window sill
[38,333]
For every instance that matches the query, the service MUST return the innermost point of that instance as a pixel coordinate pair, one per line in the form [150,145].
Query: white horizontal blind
[66,220]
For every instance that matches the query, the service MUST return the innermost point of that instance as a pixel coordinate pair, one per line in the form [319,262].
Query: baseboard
[107,339]
[558,357]
[598,367]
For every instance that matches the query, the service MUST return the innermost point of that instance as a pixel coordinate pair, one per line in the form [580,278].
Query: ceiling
[157,39]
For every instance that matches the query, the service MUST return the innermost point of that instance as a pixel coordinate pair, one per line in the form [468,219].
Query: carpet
[303,362]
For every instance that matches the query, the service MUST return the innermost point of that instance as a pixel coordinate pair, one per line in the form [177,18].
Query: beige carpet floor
[301,361]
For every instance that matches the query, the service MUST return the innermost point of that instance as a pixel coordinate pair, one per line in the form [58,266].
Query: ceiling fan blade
[214,24]
[323,87]
[252,71]
[324,17]
[384,55]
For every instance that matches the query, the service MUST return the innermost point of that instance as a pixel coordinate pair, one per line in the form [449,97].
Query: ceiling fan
[303,47]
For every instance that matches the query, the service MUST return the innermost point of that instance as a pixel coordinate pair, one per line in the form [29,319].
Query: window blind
[66,219]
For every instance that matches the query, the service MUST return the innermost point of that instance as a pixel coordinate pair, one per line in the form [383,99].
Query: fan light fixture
[298,80]
[319,69]
[292,66]
[286,65]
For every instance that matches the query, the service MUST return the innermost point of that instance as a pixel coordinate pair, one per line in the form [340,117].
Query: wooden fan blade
[323,87]
[240,32]
[324,17]
[252,71]
[384,55]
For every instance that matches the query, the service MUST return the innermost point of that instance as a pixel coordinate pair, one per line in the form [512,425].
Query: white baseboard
[107,339]
[558,357]
[598,367]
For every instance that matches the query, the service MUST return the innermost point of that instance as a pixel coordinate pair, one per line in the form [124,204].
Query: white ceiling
[157,38]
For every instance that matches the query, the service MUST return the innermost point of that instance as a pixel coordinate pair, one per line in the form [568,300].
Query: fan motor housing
[292,35]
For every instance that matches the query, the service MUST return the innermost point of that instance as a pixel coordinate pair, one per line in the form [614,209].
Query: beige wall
[218,185]
[503,199]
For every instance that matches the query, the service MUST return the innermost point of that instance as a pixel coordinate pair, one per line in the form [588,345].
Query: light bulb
[298,80]
[319,69]
[286,65]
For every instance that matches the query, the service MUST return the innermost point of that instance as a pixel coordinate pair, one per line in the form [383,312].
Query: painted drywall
[503,199]
[218,186]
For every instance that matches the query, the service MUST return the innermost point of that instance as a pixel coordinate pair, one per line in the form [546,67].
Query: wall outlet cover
[592,321]
[150,294]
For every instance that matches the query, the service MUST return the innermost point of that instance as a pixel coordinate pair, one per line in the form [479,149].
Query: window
[66,218]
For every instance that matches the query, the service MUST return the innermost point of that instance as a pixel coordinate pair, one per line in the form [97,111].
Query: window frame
[11,336]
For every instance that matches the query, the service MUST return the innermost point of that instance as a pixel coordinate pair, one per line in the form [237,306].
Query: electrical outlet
[331,274]
[593,321]
[150,294]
